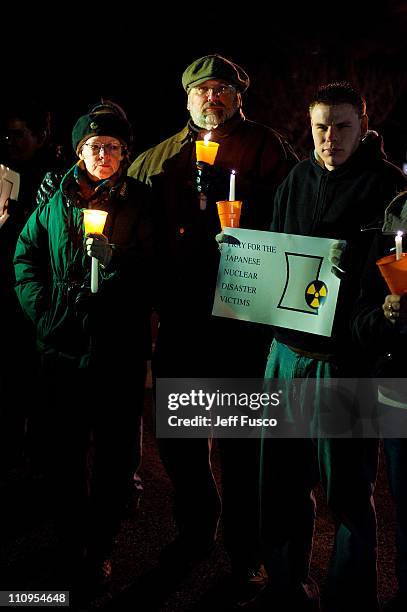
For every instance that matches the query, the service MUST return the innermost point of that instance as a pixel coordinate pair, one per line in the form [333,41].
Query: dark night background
[70,55]
[137,56]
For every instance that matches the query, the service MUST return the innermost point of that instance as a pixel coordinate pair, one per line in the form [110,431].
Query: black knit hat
[214,67]
[103,119]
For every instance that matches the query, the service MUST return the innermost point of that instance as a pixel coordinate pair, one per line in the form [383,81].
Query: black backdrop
[73,54]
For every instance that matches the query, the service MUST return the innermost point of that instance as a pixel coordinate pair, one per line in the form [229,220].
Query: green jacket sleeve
[30,267]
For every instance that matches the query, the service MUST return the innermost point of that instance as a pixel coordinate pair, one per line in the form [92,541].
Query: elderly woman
[93,345]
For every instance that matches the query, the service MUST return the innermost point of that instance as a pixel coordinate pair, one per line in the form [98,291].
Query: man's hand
[391,307]
[212,180]
[336,257]
[223,238]
[98,246]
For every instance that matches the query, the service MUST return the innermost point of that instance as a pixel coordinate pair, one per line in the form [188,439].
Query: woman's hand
[98,246]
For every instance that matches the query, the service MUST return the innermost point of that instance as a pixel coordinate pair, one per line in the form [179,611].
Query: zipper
[320,202]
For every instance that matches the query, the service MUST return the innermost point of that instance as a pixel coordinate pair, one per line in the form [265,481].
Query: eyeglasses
[111,148]
[222,90]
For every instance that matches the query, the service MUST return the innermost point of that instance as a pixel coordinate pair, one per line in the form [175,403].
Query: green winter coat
[52,268]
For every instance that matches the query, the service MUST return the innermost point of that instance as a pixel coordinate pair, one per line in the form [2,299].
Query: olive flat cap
[214,67]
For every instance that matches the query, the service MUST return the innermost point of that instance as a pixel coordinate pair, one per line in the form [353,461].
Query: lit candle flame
[207,138]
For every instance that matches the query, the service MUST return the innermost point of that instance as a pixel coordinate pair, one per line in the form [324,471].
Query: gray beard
[207,122]
[210,121]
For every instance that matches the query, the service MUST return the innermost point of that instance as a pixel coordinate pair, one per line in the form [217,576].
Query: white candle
[94,276]
[232,186]
[399,247]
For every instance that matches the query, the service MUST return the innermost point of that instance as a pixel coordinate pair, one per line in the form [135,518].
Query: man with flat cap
[191,343]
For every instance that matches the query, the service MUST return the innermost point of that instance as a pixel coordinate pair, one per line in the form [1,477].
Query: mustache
[213,105]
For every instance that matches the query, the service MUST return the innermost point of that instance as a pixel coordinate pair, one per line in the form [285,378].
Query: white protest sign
[277,279]
[9,188]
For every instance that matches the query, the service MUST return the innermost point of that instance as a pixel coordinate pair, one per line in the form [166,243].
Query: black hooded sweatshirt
[313,201]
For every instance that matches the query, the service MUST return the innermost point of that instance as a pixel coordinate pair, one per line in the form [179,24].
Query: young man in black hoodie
[343,186]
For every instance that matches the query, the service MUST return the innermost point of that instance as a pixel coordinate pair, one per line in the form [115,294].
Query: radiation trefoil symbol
[316,294]
[303,291]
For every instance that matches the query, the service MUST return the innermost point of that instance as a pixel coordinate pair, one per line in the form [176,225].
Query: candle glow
[206,150]
[94,220]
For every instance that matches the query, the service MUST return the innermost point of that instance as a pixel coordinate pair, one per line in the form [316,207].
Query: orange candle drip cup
[206,151]
[229,212]
[394,272]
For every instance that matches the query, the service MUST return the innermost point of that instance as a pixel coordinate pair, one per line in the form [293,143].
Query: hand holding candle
[94,221]
[206,152]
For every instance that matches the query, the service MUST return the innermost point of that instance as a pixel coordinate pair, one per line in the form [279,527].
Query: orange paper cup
[206,151]
[229,213]
[394,273]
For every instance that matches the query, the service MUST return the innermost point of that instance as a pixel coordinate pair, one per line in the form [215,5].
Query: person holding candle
[343,186]
[189,338]
[379,325]
[93,346]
